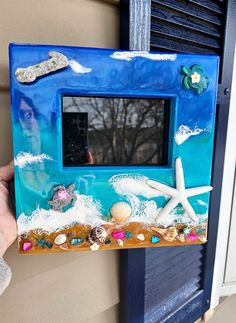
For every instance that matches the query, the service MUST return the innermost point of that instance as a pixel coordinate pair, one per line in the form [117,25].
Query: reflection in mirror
[114,131]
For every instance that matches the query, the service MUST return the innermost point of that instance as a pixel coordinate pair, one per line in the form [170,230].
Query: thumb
[7,172]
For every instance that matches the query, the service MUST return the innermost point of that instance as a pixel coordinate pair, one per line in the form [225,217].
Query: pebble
[60,239]
[200,231]
[27,246]
[128,235]
[192,236]
[155,239]
[120,211]
[118,235]
[120,242]
[107,241]
[49,244]
[75,241]
[141,237]
[41,243]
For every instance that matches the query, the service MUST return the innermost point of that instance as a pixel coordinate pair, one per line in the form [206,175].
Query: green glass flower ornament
[195,79]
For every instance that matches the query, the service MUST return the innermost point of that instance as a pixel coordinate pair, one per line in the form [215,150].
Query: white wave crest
[133,184]
[78,68]
[184,132]
[128,56]
[23,159]
[202,203]
[85,211]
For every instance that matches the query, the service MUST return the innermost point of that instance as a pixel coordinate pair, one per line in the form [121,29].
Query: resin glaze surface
[62,209]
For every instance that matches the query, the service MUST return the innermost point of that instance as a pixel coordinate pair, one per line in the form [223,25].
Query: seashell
[118,235]
[141,237]
[27,246]
[60,239]
[168,234]
[120,212]
[155,239]
[202,238]
[97,235]
[64,246]
[24,236]
[120,242]
[181,237]
[94,247]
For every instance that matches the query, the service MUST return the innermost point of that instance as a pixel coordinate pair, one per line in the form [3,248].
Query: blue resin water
[37,130]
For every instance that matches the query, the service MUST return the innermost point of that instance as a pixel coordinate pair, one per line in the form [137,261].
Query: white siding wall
[74,287]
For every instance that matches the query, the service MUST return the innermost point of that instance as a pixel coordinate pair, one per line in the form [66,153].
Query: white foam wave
[133,184]
[128,56]
[23,159]
[146,212]
[78,68]
[85,211]
[202,203]
[184,132]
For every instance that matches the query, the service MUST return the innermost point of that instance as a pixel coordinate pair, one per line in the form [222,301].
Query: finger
[6,173]
[89,158]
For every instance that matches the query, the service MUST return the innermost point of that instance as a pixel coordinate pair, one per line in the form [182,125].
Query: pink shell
[192,236]
[27,246]
[118,235]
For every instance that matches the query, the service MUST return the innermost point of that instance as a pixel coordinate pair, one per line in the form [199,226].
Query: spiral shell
[168,234]
[97,235]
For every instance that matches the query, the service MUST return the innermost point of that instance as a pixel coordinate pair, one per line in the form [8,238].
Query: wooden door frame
[133,15]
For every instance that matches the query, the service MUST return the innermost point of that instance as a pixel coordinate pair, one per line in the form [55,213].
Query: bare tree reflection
[122,130]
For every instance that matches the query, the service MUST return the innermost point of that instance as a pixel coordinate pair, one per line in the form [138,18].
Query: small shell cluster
[192,235]
[97,235]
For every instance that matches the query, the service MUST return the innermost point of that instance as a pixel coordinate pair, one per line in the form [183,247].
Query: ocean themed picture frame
[112,149]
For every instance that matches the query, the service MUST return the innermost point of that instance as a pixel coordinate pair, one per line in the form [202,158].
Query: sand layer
[43,242]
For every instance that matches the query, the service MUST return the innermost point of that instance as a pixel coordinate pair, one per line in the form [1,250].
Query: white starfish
[180,194]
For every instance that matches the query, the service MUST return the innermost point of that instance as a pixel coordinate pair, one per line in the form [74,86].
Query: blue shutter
[173,284]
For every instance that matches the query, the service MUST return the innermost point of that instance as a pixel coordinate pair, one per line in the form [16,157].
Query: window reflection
[114,131]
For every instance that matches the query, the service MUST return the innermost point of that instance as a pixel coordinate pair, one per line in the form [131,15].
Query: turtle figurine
[62,197]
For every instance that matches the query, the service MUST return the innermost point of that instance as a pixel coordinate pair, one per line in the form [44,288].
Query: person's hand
[8,231]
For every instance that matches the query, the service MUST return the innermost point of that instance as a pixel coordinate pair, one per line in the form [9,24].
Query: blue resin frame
[190,81]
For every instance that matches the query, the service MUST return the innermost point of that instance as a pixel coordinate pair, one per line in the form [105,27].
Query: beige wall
[75,287]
